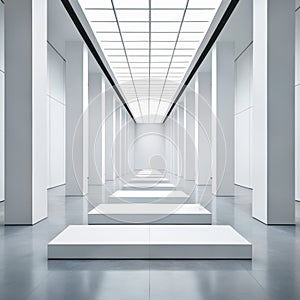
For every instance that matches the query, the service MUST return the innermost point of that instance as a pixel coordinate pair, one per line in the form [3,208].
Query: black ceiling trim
[206,50]
[94,52]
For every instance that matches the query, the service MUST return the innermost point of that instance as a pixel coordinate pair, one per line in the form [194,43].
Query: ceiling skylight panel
[133,15]
[142,36]
[103,4]
[137,52]
[199,15]
[135,108]
[163,36]
[165,26]
[100,15]
[107,35]
[161,58]
[194,27]
[168,4]
[161,51]
[137,59]
[153,107]
[111,45]
[105,26]
[184,36]
[162,44]
[204,4]
[137,44]
[167,15]
[127,4]
[134,26]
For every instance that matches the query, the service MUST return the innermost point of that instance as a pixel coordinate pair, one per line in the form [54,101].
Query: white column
[189,143]
[95,147]
[223,83]
[103,130]
[178,154]
[203,127]
[2,75]
[297,104]
[76,119]
[109,135]
[25,111]
[181,134]
[121,120]
[273,113]
[114,116]
[117,141]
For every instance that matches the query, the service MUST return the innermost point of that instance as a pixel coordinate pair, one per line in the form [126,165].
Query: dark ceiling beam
[211,41]
[69,8]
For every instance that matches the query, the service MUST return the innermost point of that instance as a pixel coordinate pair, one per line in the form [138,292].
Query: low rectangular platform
[149,242]
[149,179]
[149,185]
[168,196]
[144,213]
[150,171]
[149,176]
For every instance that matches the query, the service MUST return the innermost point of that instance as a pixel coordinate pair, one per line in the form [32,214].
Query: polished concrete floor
[274,272]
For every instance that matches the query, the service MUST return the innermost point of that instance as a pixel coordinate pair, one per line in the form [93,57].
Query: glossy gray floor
[274,272]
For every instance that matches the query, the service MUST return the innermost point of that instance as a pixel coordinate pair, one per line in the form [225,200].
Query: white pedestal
[150,196]
[147,186]
[149,214]
[149,242]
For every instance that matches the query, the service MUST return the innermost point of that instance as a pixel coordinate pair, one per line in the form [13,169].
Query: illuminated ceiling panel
[149,45]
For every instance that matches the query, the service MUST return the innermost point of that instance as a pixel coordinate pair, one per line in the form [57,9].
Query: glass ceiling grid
[187,3]
[149,45]
[112,3]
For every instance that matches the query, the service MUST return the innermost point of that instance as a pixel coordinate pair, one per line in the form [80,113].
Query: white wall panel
[298,46]
[297,134]
[1,101]
[242,148]
[243,118]
[56,75]
[1,36]
[297,103]
[1,136]
[150,143]
[244,80]
[57,143]
[56,118]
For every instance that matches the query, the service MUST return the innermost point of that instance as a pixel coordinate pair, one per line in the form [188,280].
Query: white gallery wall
[56,118]
[149,147]
[243,117]
[297,101]
[2,75]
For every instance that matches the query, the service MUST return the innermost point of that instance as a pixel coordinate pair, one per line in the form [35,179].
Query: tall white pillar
[76,119]
[181,134]
[25,111]
[273,113]
[120,135]
[95,146]
[189,134]
[109,135]
[114,116]
[223,90]
[178,155]
[102,132]
[203,127]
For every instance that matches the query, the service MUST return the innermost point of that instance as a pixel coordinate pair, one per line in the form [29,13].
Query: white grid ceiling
[149,45]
